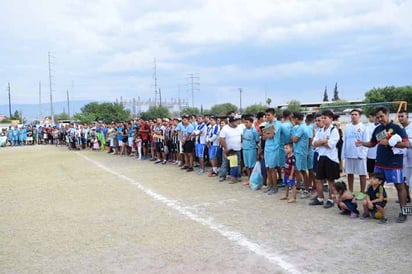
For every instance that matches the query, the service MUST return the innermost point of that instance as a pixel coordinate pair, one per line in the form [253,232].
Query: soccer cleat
[401,218]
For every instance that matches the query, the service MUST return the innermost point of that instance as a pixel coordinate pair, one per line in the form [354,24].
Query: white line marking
[233,236]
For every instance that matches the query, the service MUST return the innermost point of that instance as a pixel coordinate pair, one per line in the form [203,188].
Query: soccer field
[90,212]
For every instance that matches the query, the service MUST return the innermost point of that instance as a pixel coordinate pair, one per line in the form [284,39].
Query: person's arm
[222,142]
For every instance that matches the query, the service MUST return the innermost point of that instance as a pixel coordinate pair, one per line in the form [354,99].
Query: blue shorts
[301,162]
[272,159]
[200,150]
[262,167]
[352,207]
[213,152]
[391,175]
[315,161]
[310,160]
[249,158]
[288,182]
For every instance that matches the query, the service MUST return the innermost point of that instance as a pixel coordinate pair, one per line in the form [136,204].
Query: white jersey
[201,132]
[407,154]
[213,135]
[352,134]
[331,134]
[372,150]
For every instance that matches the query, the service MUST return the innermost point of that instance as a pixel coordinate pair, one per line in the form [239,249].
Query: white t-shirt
[407,154]
[232,136]
[352,134]
[372,150]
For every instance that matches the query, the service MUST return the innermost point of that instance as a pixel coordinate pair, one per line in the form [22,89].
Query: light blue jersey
[301,146]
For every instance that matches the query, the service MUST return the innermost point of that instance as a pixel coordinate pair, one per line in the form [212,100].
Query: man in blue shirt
[389,161]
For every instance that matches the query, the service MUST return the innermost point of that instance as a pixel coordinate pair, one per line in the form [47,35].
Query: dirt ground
[90,212]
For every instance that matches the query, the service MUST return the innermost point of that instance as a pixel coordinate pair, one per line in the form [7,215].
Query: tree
[335,93]
[294,105]
[190,110]
[254,109]
[106,112]
[268,101]
[223,109]
[325,95]
[156,112]
[61,116]
[389,94]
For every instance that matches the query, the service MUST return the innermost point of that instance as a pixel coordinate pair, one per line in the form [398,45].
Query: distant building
[2,117]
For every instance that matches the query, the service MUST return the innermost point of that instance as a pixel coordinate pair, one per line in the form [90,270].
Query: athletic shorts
[310,160]
[315,161]
[120,142]
[301,163]
[234,172]
[213,152]
[272,159]
[352,207]
[391,175]
[188,147]
[370,165]
[289,182]
[249,158]
[130,141]
[200,150]
[282,157]
[327,169]
[159,146]
[355,166]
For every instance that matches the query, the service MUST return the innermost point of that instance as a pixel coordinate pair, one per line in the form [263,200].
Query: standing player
[389,163]
[407,154]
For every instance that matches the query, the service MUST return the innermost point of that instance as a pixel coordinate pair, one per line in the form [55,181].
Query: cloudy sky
[283,50]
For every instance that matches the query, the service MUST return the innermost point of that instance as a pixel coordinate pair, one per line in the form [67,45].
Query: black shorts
[173,147]
[370,165]
[315,161]
[188,147]
[327,169]
[160,146]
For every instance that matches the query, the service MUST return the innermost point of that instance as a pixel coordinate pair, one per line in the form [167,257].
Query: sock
[320,199]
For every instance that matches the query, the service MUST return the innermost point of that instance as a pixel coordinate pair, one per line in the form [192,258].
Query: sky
[282,50]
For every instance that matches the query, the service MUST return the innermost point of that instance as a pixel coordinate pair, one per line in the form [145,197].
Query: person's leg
[401,189]
[362,179]
[350,181]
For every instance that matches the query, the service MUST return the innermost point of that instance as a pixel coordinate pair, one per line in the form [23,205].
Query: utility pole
[51,90]
[9,102]
[194,84]
[68,104]
[40,113]
[240,100]
[155,82]
[160,97]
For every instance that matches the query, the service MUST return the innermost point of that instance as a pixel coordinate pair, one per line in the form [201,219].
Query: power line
[194,83]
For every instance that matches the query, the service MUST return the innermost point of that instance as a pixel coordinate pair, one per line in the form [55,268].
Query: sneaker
[164,162]
[212,174]
[184,167]
[328,204]
[267,189]
[401,218]
[200,171]
[365,216]
[383,220]
[304,195]
[221,179]
[190,169]
[152,159]
[353,215]
[158,161]
[316,202]
[272,191]
[314,198]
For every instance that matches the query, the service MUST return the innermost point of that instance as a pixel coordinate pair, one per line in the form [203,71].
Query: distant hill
[31,111]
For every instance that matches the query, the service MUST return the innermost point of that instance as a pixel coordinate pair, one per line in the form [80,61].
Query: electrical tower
[51,87]
[194,85]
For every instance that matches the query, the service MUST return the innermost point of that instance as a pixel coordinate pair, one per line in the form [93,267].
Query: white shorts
[130,141]
[407,173]
[355,166]
[120,143]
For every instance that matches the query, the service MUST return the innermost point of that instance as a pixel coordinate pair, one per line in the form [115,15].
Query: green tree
[61,116]
[156,112]
[106,112]
[294,105]
[389,94]
[325,95]
[268,101]
[190,110]
[223,109]
[335,93]
[254,109]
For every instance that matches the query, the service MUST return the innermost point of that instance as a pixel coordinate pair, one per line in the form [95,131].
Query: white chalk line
[233,236]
